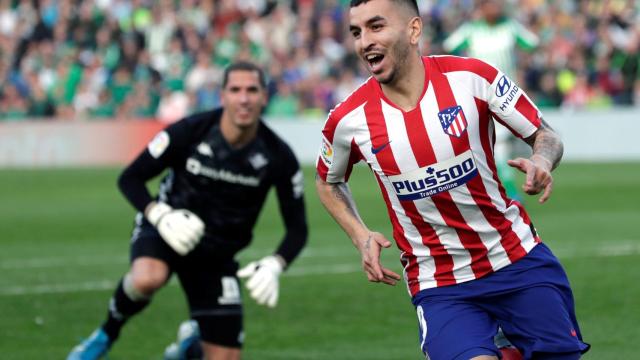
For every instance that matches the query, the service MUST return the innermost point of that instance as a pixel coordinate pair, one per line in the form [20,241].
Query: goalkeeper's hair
[244,66]
[409,4]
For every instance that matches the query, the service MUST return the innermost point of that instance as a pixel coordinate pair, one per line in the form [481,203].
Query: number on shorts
[230,291]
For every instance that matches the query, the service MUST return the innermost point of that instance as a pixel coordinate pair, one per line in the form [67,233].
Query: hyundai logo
[503,86]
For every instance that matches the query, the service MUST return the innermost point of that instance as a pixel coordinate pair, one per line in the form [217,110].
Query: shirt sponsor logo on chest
[195,167]
[435,178]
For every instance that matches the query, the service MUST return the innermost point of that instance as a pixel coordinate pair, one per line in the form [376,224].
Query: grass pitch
[65,237]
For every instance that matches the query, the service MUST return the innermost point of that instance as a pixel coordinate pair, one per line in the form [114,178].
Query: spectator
[164,43]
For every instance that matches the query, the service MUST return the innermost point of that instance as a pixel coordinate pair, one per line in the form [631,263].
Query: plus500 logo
[435,178]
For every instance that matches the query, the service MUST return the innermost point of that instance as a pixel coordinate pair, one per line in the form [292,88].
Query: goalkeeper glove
[180,228]
[263,283]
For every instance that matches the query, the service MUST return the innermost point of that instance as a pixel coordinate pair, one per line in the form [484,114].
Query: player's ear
[415,30]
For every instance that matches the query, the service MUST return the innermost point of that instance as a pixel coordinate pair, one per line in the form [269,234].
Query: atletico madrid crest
[453,121]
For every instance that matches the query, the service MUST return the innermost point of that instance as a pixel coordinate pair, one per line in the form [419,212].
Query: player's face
[491,10]
[382,38]
[243,98]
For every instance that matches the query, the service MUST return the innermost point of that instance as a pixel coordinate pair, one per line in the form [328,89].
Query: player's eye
[376,27]
[355,33]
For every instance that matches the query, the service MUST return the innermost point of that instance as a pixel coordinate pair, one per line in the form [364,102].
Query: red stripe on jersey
[448,63]
[526,108]
[322,169]
[357,98]
[505,124]
[355,156]
[527,220]
[410,264]
[330,126]
[509,239]
[470,239]
[442,260]
[487,144]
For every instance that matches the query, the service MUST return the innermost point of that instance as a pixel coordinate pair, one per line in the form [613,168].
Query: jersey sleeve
[161,152]
[290,193]
[512,107]
[335,159]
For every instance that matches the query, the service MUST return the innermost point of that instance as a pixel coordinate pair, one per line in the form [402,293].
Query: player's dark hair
[244,66]
[412,4]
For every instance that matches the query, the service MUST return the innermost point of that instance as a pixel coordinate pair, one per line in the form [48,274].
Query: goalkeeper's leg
[131,296]
[134,293]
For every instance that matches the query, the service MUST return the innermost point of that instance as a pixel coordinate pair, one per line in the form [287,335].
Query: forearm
[337,199]
[546,144]
[135,190]
[133,180]
[293,242]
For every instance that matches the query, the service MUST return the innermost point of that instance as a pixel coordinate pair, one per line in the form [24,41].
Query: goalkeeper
[220,166]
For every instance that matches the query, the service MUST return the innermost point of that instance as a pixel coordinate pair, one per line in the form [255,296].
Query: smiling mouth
[374,59]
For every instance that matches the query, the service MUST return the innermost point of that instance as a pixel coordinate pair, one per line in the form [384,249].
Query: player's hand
[370,249]
[263,279]
[180,228]
[538,175]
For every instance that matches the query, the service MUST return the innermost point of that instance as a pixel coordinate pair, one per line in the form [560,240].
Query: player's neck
[406,89]
[237,136]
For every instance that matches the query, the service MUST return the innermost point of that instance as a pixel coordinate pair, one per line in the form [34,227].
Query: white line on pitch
[612,250]
[108,285]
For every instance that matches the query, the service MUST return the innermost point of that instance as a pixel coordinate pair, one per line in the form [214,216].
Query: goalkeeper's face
[382,38]
[243,98]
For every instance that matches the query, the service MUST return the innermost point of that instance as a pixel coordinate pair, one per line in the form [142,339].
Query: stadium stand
[136,59]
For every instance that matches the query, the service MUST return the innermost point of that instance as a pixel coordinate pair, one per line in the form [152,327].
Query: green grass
[65,237]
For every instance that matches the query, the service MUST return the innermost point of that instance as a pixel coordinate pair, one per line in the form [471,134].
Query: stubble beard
[400,51]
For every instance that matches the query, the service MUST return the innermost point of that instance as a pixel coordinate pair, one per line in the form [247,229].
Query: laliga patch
[453,121]
[435,178]
[326,152]
[159,144]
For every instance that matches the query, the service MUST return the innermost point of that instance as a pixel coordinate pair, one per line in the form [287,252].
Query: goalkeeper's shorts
[209,282]
[530,300]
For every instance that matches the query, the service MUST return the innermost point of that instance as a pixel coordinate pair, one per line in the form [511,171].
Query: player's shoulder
[365,92]
[203,119]
[194,126]
[450,63]
[276,145]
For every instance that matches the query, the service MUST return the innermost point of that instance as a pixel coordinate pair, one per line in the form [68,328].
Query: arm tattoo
[367,244]
[341,192]
[547,144]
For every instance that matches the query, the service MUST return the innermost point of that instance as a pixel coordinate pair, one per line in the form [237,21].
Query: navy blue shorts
[530,300]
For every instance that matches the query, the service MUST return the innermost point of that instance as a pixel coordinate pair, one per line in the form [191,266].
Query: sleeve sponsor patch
[159,144]
[505,94]
[326,152]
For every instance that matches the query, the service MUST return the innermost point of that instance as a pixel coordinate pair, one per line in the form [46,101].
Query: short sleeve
[334,159]
[512,107]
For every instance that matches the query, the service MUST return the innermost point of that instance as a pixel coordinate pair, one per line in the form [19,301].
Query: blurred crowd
[136,59]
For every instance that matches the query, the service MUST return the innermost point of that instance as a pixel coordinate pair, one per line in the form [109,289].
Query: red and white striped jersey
[434,164]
